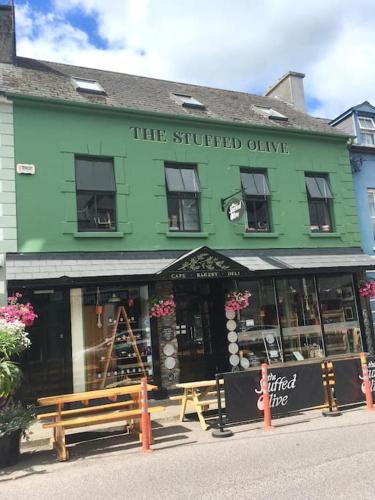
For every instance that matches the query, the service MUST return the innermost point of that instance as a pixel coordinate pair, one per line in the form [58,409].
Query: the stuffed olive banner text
[291,389]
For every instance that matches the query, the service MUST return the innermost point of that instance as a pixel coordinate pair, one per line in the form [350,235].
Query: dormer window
[367,127]
[88,86]
[187,101]
[270,113]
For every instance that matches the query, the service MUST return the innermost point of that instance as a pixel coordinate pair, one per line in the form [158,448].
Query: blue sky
[245,45]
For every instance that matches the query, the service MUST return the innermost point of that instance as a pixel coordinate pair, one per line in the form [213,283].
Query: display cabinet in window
[118,339]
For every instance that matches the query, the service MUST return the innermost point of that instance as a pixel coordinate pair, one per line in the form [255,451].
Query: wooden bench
[200,395]
[128,412]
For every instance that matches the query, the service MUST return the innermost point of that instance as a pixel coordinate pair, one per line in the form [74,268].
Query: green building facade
[172,230]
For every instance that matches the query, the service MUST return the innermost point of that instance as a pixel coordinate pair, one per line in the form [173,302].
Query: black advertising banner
[349,380]
[291,389]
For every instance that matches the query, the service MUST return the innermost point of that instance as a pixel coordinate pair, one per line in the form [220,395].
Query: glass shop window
[182,197]
[339,314]
[257,200]
[299,318]
[96,194]
[319,196]
[117,336]
[253,333]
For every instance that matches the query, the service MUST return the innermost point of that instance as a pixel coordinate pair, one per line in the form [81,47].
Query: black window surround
[319,196]
[96,194]
[256,194]
[183,191]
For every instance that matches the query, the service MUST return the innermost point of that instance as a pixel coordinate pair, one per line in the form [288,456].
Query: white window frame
[187,100]
[270,113]
[372,127]
[87,85]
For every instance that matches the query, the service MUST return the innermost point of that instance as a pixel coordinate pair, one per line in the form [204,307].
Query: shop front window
[182,198]
[339,314]
[116,336]
[253,333]
[299,318]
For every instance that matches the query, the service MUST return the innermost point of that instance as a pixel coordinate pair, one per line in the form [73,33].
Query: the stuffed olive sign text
[291,389]
[208,140]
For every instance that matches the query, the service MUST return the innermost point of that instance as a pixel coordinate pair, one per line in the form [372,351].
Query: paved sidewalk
[306,456]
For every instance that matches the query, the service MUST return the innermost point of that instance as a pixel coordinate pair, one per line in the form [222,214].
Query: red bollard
[145,418]
[266,397]
[366,382]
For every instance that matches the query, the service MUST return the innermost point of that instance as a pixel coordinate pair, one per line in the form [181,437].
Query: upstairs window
[182,197]
[367,126]
[256,196]
[96,194]
[187,101]
[89,86]
[319,196]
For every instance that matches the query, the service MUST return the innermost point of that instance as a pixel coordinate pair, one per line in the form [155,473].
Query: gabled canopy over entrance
[203,263]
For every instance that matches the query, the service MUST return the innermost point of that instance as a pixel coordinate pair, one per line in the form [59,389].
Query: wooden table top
[199,383]
[87,396]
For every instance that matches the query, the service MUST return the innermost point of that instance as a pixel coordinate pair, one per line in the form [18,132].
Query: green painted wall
[49,136]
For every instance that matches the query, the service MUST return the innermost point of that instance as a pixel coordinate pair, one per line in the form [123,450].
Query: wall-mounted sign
[235,210]
[25,168]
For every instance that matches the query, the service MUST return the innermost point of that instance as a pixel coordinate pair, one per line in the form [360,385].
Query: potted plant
[14,417]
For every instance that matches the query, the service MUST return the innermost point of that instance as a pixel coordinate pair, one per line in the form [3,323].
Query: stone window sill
[101,234]
[260,235]
[180,234]
[324,235]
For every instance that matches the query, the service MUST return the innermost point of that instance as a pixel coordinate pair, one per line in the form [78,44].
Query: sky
[241,45]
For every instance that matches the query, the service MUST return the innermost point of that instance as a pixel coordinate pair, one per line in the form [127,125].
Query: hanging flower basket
[236,301]
[367,289]
[162,307]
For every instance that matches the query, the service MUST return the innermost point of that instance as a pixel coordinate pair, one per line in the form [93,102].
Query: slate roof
[42,267]
[33,77]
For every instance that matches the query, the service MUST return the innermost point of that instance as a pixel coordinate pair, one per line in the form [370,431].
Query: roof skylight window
[270,113]
[86,85]
[188,101]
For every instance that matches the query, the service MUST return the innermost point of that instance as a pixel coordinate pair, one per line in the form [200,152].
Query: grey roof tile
[33,77]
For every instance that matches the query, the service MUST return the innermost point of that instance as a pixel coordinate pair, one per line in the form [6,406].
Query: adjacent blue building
[359,121]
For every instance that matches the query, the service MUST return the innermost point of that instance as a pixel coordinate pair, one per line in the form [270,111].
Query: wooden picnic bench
[112,411]
[200,395]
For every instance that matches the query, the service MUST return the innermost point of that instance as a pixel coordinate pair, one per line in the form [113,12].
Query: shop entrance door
[200,329]
[47,365]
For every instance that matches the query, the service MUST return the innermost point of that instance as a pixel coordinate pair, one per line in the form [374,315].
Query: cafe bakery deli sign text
[207,140]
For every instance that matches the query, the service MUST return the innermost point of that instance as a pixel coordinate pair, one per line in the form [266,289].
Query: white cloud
[242,45]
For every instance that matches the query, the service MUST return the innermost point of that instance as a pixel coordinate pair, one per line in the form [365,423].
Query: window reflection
[339,314]
[299,318]
[259,334]
[117,352]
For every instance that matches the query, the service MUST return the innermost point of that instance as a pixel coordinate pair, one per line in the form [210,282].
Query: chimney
[7,34]
[289,88]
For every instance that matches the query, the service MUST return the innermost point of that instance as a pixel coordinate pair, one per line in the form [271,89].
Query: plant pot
[10,448]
